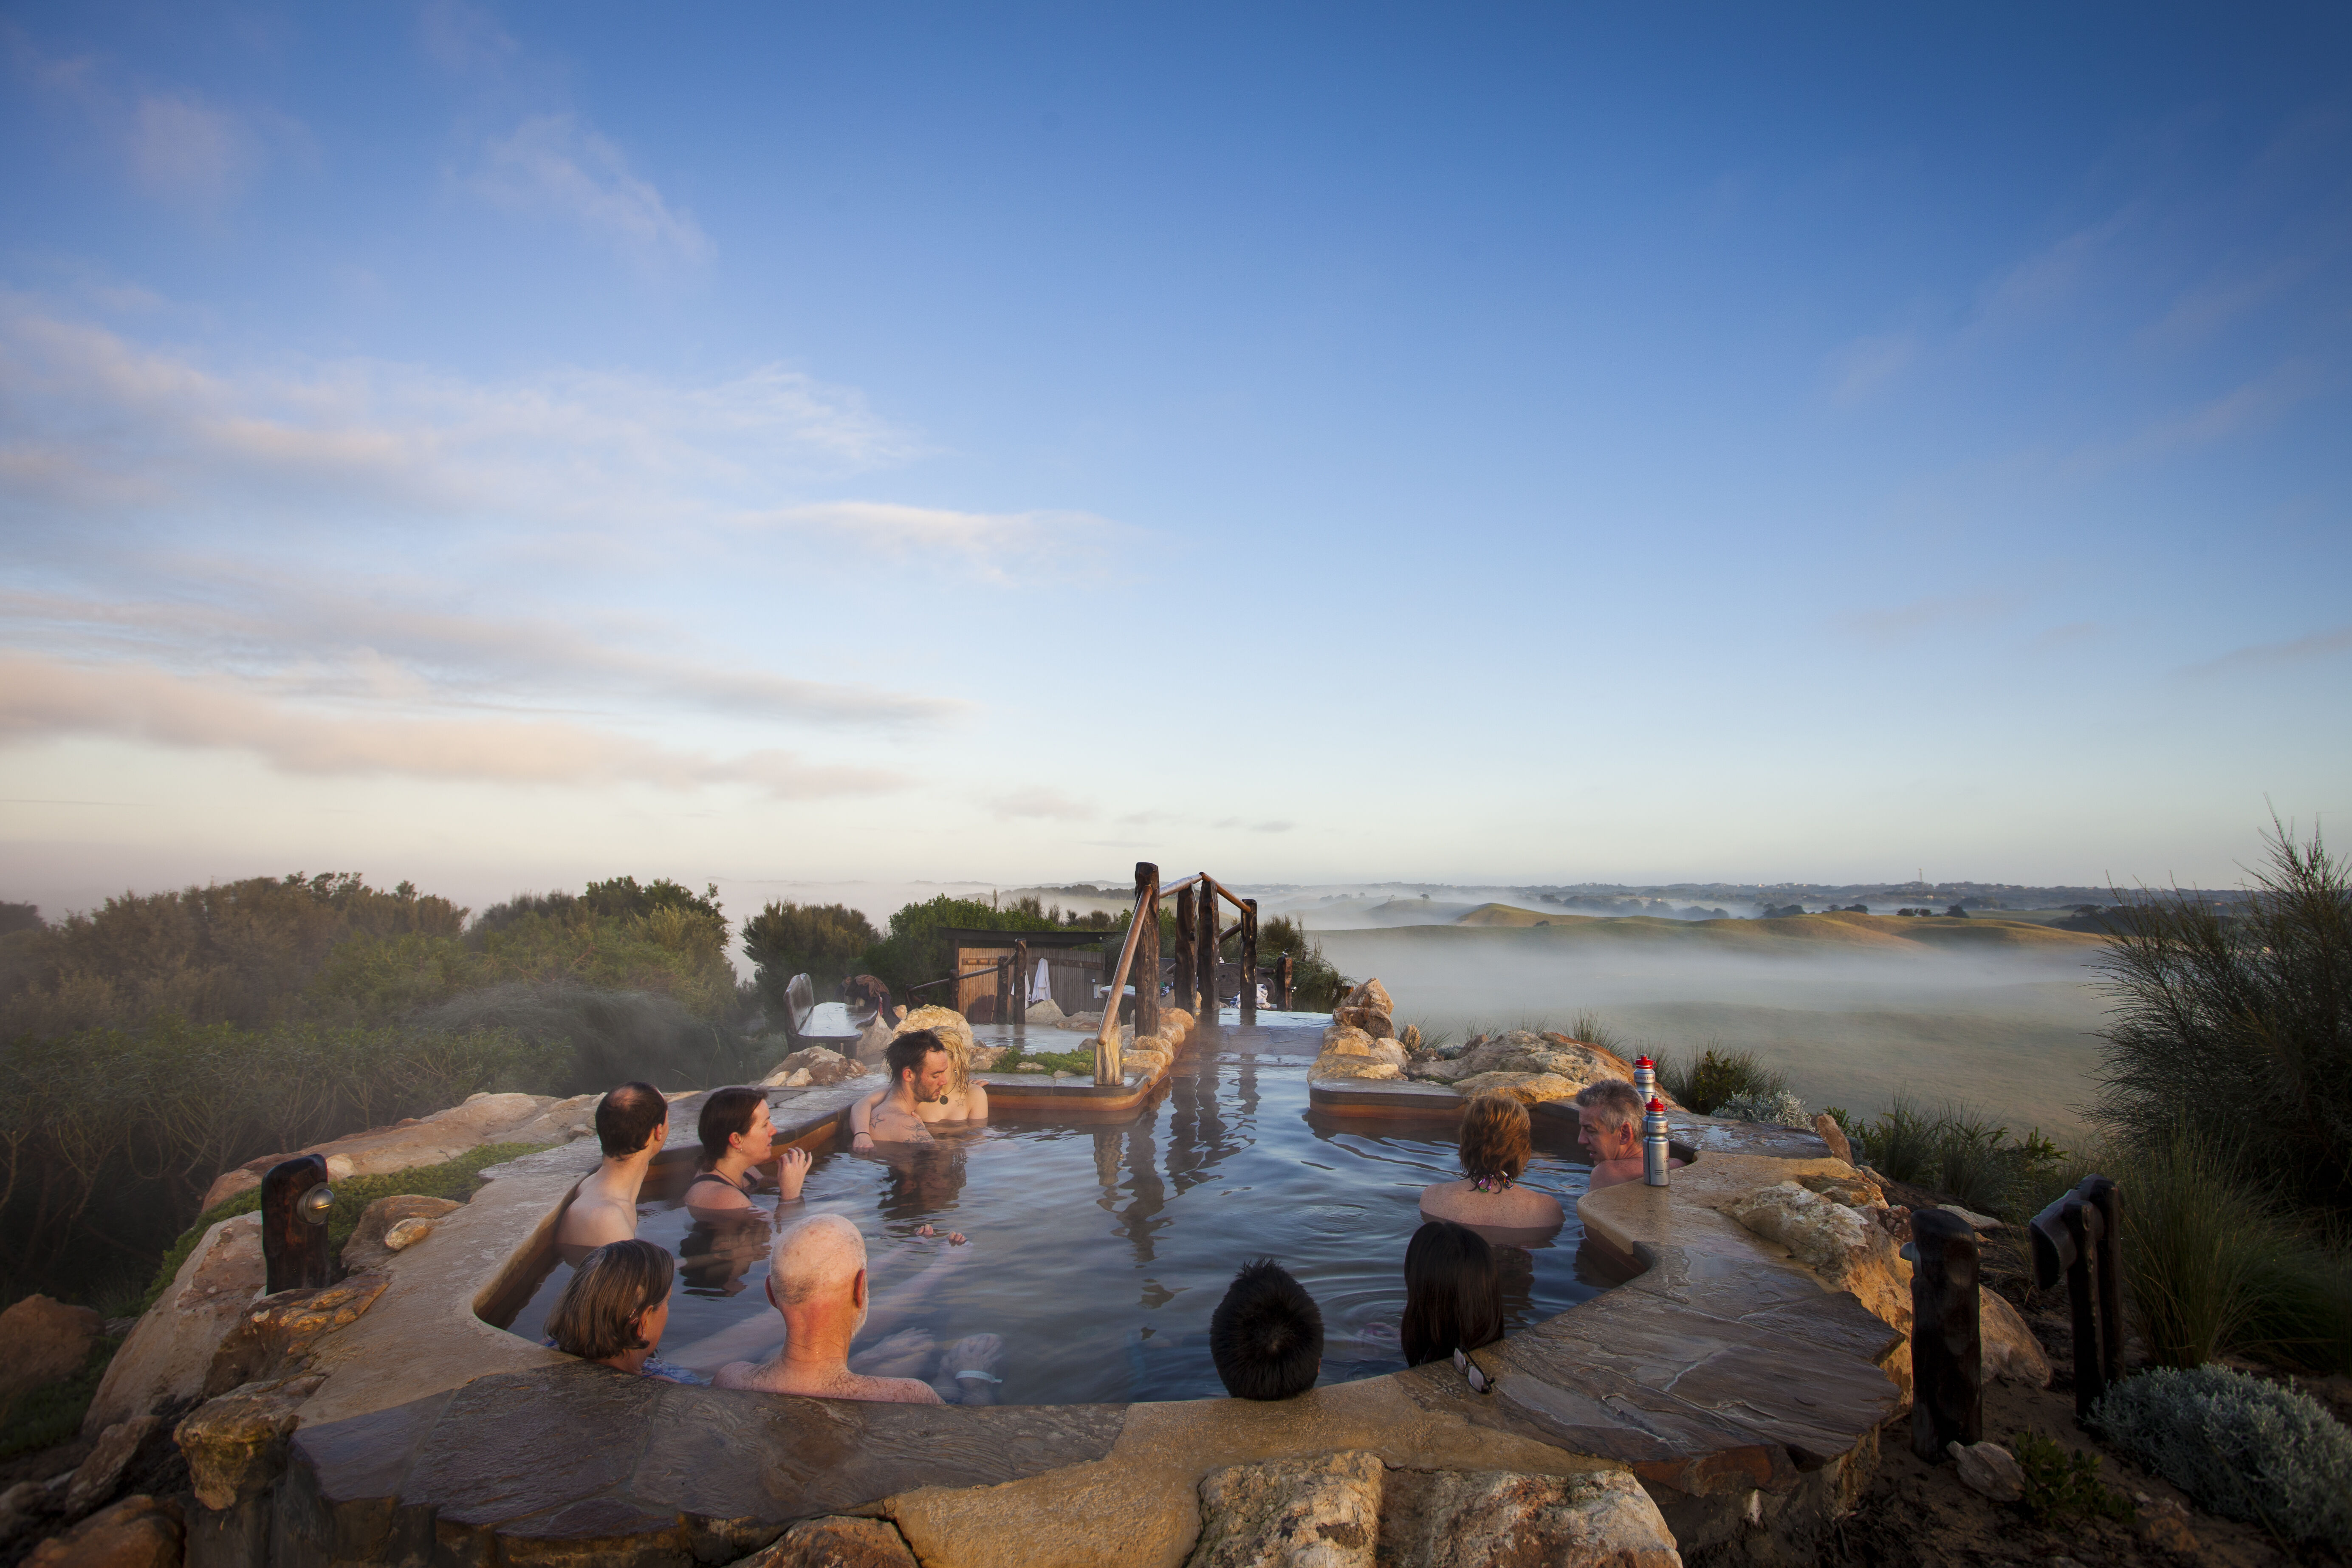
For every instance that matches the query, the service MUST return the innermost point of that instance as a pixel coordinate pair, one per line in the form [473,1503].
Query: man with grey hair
[817,1280]
[1609,1125]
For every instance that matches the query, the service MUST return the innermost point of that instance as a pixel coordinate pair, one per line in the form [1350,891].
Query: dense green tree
[824,942]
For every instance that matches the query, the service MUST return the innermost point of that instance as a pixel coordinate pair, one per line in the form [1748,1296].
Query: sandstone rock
[48,1342]
[1045,1010]
[820,1064]
[168,1355]
[22,1504]
[427,1141]
[95,1477]
[984,1058]
[2164,1524]
[1331,1063]
[837,1540]
[1373,1021]
[1389,1049]
[370,1242]
[1826,1129]
[1855,1192]
[1527,1088]
[235,1445]
[1176,1022]
[1842,1248]
[1471,1519]
[1347,1040]
[137,1532]
[1989,1469]
[1371,993]
[1318,1512]
[2011,1351]
[951,1024]
[276,1332]
[1408,1038]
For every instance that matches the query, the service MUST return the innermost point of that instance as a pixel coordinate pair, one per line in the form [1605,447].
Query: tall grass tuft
[2241,1023]
[1716,1074]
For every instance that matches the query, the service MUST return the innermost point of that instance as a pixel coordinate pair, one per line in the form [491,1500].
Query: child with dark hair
[1452,1293]
[615,1308]
[1267,1335]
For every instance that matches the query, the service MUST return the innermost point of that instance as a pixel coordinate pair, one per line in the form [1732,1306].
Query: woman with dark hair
[1495,1148]
[736,1135]
[1452,1293]
[615,1308]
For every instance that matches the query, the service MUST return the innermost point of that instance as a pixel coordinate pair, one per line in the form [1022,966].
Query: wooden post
[1947,1342]
[1184,950]
[1283,981]
[294,1224]
[1204,948]
[1020,984]
[2100,1192]
[1003,989]
[2086,1229]
[1249,960]
[1147,950]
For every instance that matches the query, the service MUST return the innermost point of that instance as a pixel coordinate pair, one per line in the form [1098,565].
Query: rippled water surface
[1099,1251]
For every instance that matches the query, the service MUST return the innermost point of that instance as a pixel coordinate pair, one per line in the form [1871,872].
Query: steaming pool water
[1099,1252]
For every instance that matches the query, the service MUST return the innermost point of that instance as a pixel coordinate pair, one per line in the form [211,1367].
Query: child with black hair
[1267,1335]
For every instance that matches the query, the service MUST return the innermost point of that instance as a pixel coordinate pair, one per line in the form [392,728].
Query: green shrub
[1077,1061]
[1718,1074]
[2061,1485]
[1782,1108]
[1316,986]
[823,941]
[2243,1447]
[914,952]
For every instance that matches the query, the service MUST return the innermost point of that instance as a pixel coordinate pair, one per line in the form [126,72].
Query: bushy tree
[824,942]
[914,951]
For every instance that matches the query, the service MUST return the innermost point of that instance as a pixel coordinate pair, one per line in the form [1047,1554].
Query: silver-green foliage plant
[1780,1107]
[2243,1447]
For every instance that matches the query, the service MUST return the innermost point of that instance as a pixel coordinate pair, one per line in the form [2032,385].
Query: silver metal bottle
[1654,1144]
[1645,1080]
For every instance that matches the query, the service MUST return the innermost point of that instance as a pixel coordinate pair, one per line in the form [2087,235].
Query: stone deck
[1740,1393]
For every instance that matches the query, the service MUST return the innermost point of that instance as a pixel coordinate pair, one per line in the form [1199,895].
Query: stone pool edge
[1680,1375]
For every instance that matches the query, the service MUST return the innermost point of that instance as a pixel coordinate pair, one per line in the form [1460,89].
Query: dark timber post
[1249,960]
[294,1224]
[1205,938]
[1283,982]
[1147,950]
[2100,1193]
[1020,985]
[1947,1343]
[1003,988]
[1183,996]
[2086,1228]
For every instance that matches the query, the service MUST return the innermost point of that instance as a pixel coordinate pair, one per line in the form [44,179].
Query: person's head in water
[1267,1335]
[731,1121]
[921,1059]
[1453,1292]
[614,1305]
[1493,1141]
[627,1118]
[1608,1120]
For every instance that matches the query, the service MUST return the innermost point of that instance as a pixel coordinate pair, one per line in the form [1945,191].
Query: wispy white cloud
[993,545]
[324,642]
[1866,364]
[1039,803]
[2272,655]
[43,698]
[1904,621]
[2248,406]
[554,163]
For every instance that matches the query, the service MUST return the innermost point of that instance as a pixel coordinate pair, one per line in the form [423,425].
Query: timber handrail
[1109,1068]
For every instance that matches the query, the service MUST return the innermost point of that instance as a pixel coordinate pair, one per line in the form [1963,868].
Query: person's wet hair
[627,1117]
[906,1054]
[595,1318]
[1609,1102]
[1453,1292]
[726,1112]
[1266,1336]
[1493,1138]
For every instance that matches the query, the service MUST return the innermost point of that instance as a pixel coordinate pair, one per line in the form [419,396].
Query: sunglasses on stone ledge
[1479,1381]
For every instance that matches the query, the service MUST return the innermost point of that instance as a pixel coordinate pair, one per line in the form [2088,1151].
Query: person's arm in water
[861,1120]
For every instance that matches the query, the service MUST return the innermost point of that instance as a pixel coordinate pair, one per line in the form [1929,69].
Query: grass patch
[1080,1062]
[45,1418]
[1716,1075]
[456,1178]
[2060,1484]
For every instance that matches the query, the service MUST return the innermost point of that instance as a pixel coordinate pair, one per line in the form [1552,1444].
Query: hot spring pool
[1099,1252]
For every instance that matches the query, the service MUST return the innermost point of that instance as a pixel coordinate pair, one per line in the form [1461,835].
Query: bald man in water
[816,1278]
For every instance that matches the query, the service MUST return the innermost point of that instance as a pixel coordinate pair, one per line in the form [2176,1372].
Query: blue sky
[503,446]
